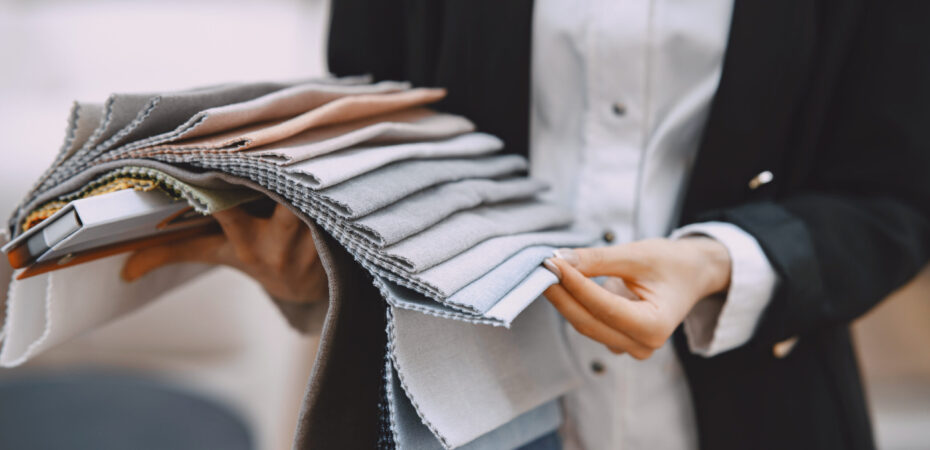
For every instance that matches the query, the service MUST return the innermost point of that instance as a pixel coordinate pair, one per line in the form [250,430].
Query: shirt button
[609,236]
[761,179]
[618,109]
[597,367]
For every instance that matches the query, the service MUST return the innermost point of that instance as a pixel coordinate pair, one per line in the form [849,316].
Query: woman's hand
[278,252]
[657,282]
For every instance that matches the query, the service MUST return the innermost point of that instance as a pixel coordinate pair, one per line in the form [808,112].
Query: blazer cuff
[723,322]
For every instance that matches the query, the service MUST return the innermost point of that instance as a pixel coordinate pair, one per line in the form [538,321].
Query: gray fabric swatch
[328,170]
[464,229]
[425,208]
[131,116]
[459,383]
[411,433]
[483,293]
[454,274]
[372,191]
[86,118]
[407,125]
[278,104]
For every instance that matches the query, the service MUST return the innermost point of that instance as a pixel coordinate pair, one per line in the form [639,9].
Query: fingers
[284,222]
[618,312]
[588,325]
[615,261]
[238,226]
[197,249]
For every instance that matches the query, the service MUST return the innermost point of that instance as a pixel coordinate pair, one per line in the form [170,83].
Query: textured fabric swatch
[128,117]
[48,309]
[454,274]
[464,229]
[372,191]
[341,110]
[425,208]
[414,124]
[327,170]
[284,103]
[410,432]
[458,383]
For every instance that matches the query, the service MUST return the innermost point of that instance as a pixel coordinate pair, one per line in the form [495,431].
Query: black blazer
[831,96]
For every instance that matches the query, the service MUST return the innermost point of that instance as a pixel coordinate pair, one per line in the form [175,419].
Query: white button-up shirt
[620,96]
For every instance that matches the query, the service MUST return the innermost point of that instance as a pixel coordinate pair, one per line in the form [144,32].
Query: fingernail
[553,268]
[568,255]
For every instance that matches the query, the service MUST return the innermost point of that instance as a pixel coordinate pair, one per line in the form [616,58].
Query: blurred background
[245,356]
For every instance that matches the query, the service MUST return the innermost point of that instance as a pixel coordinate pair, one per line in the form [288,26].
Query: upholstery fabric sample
[424,209]
[372,191]
[464,229]
[522,295]
[85,119]
[48,309]
[284,103]
[411,433]
[334,168]
[454,375]
[449,277]
[340,110]
[133,116]
[409,125]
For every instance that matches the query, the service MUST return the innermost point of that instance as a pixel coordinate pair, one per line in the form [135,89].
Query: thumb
[196,249]
[614,261]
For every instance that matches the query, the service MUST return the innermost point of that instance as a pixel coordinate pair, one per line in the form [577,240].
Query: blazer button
[609,236]
[783,348]
[597,367]
[761,179]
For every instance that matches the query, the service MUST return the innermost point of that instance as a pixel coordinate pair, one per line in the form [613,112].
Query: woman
[758,168]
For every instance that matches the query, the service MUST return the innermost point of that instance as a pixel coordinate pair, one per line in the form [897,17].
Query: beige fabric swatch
[282,104]
[416,124]
[344,109]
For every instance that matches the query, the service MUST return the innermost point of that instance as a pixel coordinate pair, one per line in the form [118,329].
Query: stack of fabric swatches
[443,219]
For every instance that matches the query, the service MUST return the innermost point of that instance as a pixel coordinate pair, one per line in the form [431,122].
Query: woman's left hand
[662,280]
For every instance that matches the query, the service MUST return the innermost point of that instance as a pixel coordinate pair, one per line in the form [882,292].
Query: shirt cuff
[726,321]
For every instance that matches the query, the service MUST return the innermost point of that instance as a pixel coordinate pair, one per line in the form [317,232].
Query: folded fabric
[415,124]
[284,103]
[131,116]
[515,296]
[424,209]
[447,278]
[456,378]
[464,229]
[48,309]
[340,110]
[334,168]
[409,431]
[83,120]
[370,192]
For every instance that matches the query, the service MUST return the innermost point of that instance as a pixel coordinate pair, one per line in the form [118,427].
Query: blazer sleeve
[861,227]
